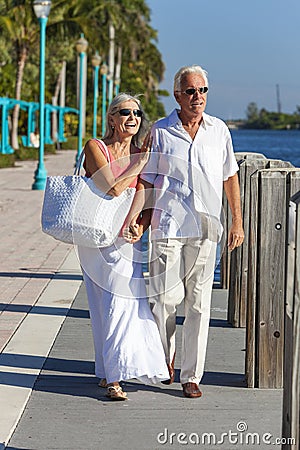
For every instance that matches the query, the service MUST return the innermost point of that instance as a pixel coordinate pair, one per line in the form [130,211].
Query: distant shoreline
[245,125]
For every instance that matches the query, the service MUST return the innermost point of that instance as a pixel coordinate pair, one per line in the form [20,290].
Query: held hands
[133,232]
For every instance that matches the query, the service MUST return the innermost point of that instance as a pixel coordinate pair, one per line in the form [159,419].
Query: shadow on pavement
[229,379]
[36,362]
[58,276]
[47,310]
[221,323]
[69,384]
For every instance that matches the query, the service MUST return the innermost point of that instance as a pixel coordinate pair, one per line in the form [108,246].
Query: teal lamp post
[103,71]
[42,10]
[81,47]
[96,60]
[117,86]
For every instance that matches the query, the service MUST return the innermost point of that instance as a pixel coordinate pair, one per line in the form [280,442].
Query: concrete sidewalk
[28,257]
[39,278]
[67,410]
[48,393]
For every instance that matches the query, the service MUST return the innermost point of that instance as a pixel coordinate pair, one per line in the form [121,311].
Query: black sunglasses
[192,91]
[127,112]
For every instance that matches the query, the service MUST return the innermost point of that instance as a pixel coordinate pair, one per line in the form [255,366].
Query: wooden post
[270,191]
[251,287]
[291,393]
[249,155]
[237,296]
[278,163]
[226,256]
[270,281]
[225,259]
[238,264]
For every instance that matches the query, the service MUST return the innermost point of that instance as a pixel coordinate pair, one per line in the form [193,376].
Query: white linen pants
[183,269]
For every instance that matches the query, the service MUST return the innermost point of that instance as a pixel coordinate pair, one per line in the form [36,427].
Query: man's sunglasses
[127,112]
[192,91]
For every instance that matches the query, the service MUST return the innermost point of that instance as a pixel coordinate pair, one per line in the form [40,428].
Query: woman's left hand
[133,233]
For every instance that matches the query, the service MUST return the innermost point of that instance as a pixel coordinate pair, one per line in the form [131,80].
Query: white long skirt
[126,338]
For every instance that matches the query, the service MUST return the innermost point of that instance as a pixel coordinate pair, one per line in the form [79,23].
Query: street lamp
[96,60]
[81,47]
[41,10]
[117,86]
[110,87]
[103,72]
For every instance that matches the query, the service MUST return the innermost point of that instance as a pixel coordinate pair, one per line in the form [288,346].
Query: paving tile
[26,253]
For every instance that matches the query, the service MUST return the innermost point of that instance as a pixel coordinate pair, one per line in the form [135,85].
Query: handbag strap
[79,163]
[104,147]
[82,155]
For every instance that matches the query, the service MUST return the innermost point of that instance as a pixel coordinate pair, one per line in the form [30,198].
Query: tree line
[263,119]
[142,66]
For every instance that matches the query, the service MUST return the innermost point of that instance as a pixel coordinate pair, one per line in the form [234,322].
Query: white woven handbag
[75,211]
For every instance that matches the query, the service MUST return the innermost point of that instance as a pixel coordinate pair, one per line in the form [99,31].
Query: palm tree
[142,65]
[18,23]
[20,26]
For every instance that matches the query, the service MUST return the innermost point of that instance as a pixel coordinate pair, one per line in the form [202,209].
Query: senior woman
[126,338]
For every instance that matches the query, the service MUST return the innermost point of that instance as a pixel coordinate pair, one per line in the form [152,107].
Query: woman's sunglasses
[127,112]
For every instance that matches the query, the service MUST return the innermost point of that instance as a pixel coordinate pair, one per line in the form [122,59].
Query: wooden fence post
[291,375]
[251,288]
[226,256]
[270,191]
[238,272]
[225,259]
[237,296]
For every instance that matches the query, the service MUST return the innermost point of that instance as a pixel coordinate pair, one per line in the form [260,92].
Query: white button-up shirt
[188,177]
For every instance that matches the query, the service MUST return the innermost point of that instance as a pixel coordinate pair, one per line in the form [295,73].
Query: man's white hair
[185,71]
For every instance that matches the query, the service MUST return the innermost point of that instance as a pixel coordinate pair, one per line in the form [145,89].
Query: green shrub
[27,153]
[7,160]
[71,143]
[50,149]
[32,153]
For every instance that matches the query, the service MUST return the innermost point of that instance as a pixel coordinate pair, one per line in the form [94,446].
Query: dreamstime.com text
[239,436]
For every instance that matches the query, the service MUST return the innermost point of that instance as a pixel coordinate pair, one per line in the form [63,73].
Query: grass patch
[50,149]
[7,160]
[72,142]
[32,153]
[27,153]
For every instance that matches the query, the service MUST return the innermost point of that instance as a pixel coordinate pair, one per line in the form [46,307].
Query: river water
[284,145]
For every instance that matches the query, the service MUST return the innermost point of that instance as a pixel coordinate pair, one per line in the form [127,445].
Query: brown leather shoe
[191,390]
[171,372]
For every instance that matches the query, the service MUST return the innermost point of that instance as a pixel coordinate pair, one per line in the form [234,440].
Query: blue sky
[247,47]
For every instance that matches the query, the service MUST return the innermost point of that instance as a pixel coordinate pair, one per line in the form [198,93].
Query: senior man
[191,161]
